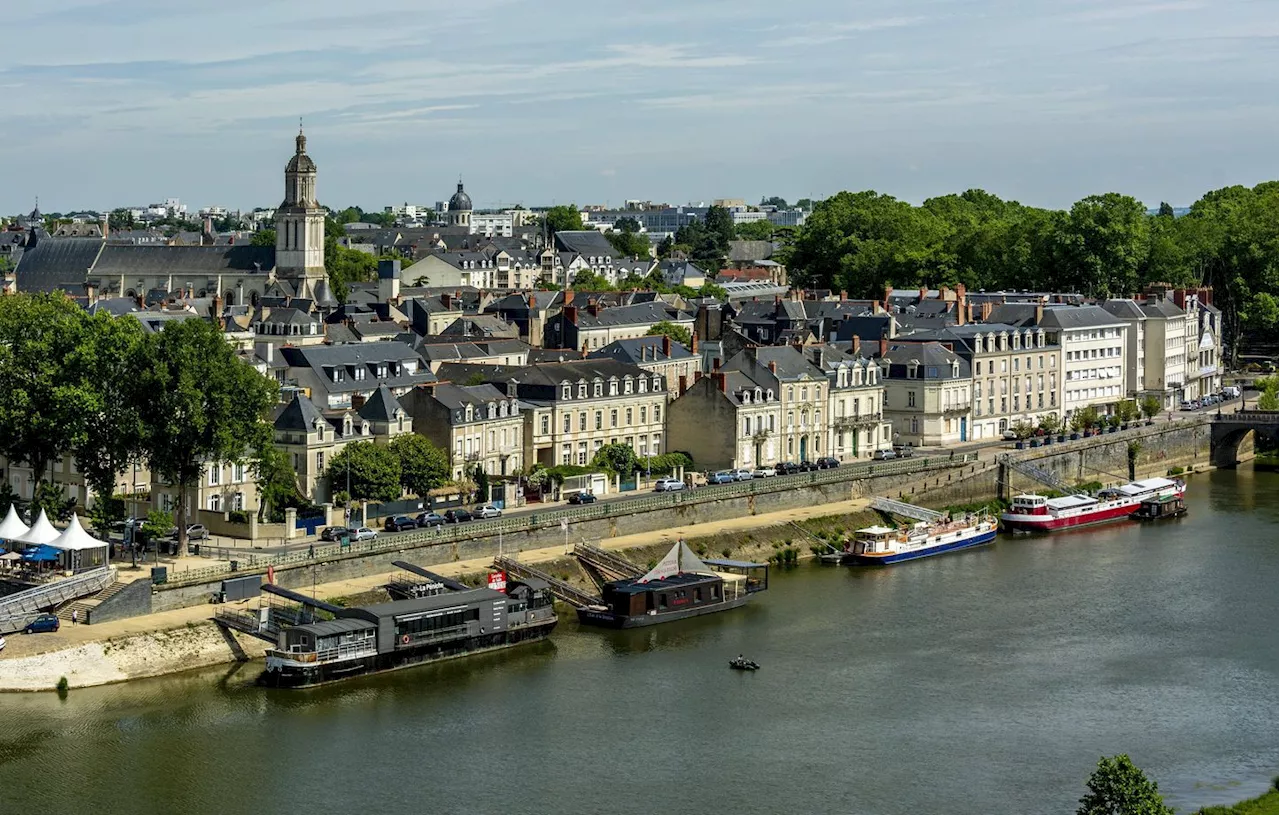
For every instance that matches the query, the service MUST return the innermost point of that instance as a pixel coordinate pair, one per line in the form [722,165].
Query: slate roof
[635,314]
[630,351]
[381,406]
[157,260]
[300,414]
[932,356]
[481,325]
[589,242]
[456,396]
[57,263]
[740,251]
[1125,309]
[1162,309]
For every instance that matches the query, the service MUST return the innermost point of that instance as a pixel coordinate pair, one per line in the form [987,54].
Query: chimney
[593,308]
[773,367]
[715,364]
[568,296]
[962,305]
[106,223]
[888,290]
[138,299]
[818,356]
[777,299]
[666,347]
[697,376]
[924,293]
[217,309]
[856,347]
[721,381]
[693,343]
[357,401]
[571,314]
[986,310]
[884,346]
[1039,313]
[584,349]
[844,295]
[447,302]
[533,301]
[388,280]
[684,384]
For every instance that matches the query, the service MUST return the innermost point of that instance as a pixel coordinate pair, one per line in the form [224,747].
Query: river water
[987,681]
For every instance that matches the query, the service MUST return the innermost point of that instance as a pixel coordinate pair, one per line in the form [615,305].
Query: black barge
[679,587]
[402,633]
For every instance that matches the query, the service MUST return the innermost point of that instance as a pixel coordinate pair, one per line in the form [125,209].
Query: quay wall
[197,645]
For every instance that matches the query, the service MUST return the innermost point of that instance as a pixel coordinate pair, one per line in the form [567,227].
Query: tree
[1267,399]
[1105,240]
[277,481]
[761,230]
[1127,411]
[263,237]
[678,333]
[562,218]
[616,458]
[1051,424]
[630,244]
[374,470]
[1084,418]
[1119,788]
[665,248]
[1023,430]
[1165,211]
[628,225]
[481,480]
[423,466]
[346,266]
[1150,406]
[1260,314]
[159,523]
[774,201]
[587,280]
[204,406]
[45,403]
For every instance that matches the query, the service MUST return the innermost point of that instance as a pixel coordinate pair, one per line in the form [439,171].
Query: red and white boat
[1037,513]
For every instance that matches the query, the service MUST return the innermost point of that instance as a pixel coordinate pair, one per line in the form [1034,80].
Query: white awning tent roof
[40,532]
[75,538]
[12,526]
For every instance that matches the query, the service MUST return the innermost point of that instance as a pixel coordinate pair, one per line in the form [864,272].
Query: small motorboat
[743,664]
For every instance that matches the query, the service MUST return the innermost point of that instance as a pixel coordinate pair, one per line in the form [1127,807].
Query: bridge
[1231,429]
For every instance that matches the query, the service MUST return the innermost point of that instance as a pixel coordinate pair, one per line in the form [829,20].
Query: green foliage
[158,524]
[1084,418]
[676,332]
[374,471]
[1051,424]
[1150,406]
[667,462]
[106,511]
[1267,399]
[423,466]
[1104,243]
[1119,788]
[263,237]
[50,498]
[1128,411]
[761,230]
[587,280]
[630,244]
[562,218]
[1024,430]
[1259,314]
[277,482]
[111,351]
[1266,804]
[481,479]
[666,247]
[346,266]
[773,201]
[616,458]
[202,405]
[8,497]
[708,240]
[63,686]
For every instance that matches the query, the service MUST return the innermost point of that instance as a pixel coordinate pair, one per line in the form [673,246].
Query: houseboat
[680,586]
[412,631]
[1158,509]
[885,545]
[1037,513]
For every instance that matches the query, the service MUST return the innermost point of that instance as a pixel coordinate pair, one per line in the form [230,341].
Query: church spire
[301,140]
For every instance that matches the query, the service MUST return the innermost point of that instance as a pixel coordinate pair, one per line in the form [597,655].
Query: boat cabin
[1030,505]
[757,574]
[874,540]
[631,598]
[329,640]
[1155,509]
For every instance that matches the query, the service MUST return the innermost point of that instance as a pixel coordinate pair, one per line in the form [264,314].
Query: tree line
[1104,246]
[112,394]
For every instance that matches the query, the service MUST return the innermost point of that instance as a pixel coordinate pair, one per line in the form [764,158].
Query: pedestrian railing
[550,518]
[30,601]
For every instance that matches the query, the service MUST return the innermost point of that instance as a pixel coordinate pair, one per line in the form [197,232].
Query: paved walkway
[71,635]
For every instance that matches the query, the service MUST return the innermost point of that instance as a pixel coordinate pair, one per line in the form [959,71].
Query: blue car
[43,624]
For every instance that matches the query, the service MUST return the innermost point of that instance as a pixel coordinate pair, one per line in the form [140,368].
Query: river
[987,681]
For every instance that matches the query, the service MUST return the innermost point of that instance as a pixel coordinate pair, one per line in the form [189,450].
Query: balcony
[857,420]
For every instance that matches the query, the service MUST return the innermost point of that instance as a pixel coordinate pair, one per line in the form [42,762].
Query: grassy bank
[1266,804]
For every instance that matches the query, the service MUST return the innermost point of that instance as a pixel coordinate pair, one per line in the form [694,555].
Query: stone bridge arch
[1239,431]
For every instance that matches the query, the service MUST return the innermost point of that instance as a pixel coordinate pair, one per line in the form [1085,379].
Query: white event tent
[81,549]
[40,532]
[12,527]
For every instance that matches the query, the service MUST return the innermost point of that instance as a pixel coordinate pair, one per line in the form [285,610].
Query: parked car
[582,498]
[425,519]
[883,455]
[904,450]
[1009,435]
[399,523]
[1231,392]
[1190,405]
[721,477]
[741,474]
[332,533]
[488,511]
[195,532]
[786,468]
[458,516]
[668,485]
[763,472]
[362,533]
[44,624]
[827,463]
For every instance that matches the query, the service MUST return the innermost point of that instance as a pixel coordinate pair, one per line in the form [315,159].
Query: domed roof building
[460,207]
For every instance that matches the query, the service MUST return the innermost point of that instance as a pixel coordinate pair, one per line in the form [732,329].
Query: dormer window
[768,394]
[644,384]
[493,410]
[470,413]
[626,385]
[566,392]
[745,396]
[913,370]
[582,390]
[757,394]
[657,383]
[613,387]
[955,370]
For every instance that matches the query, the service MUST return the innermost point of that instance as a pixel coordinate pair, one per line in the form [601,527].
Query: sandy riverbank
[186,639]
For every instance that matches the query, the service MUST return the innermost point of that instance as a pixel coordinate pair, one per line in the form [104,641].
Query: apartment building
[855,404]
[479,425]
[726,419]
[928,393]
[802,395]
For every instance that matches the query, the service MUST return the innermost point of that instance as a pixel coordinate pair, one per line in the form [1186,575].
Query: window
[546,424]
[582,421]
[613,387]
[566,392]
[566,454]
[613,418]
[215,503]
[599,420]
[215,475]
[644,415]
[657,414]
[239,472]
[568,423]
[598,388]
[582,390]
[746,426]
[626,385]
[911,399]
[644,385]
[657,383]
[582,454]
[629,416]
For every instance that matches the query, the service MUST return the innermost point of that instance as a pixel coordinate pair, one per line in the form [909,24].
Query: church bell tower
[300,225]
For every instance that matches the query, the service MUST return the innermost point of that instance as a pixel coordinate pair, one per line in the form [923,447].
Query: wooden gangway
[610,565]
[906,510]
[564,591]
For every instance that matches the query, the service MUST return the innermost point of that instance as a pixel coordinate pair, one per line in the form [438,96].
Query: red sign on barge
[1037,513]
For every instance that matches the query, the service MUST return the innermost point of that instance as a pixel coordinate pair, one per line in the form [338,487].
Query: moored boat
[886,545]
[1158,509]
[1038,513]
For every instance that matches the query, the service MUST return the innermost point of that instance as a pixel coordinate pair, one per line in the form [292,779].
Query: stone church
[93,267]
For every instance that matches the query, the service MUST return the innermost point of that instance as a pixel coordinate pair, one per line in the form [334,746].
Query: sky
[535,102]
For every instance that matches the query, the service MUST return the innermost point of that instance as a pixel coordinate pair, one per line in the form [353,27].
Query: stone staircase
[88,604]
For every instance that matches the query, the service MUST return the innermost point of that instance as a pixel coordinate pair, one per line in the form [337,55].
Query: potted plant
[1150,408]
